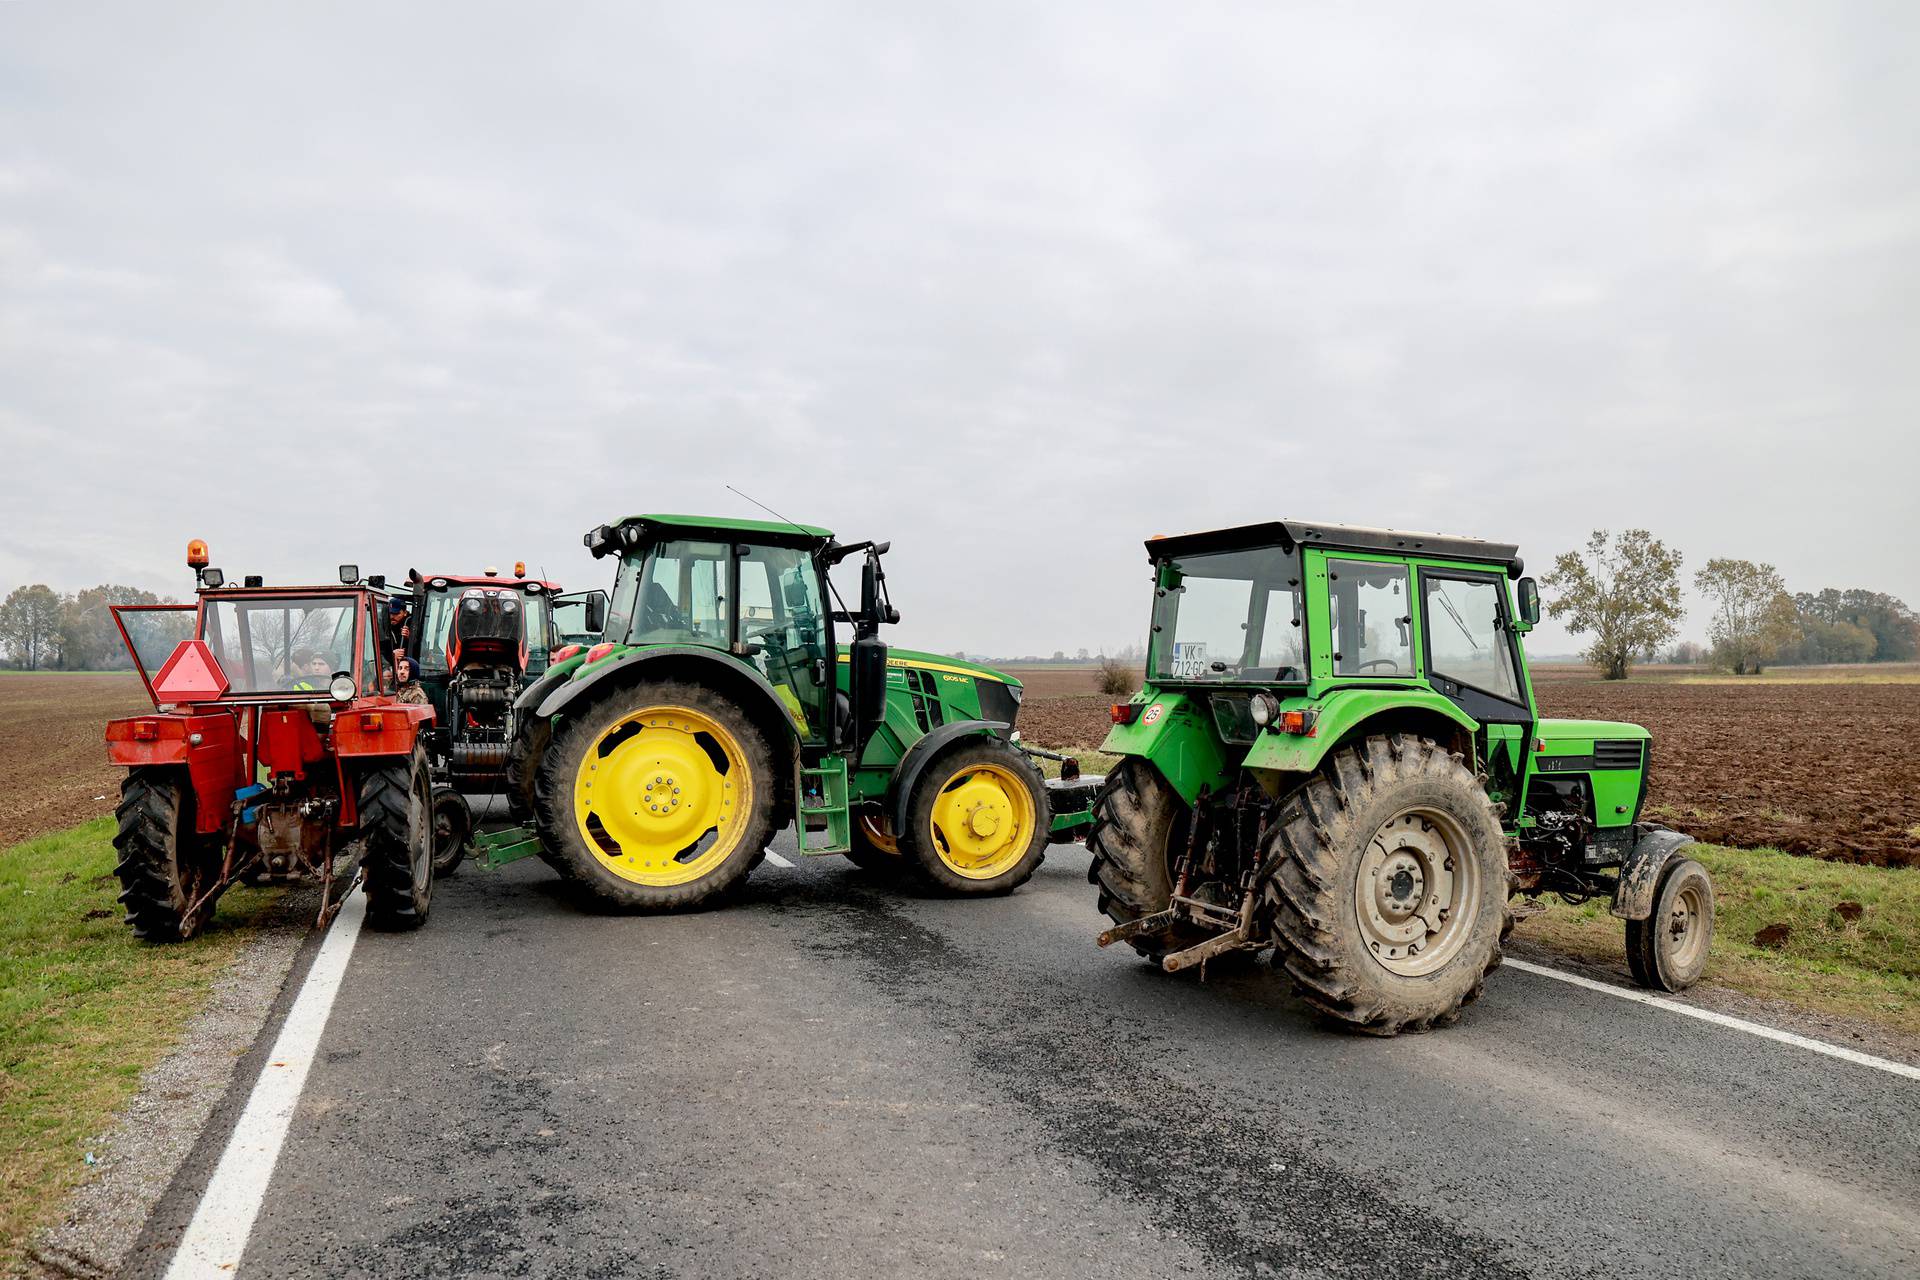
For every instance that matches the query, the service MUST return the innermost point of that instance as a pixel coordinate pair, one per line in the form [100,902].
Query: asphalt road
[831,1077]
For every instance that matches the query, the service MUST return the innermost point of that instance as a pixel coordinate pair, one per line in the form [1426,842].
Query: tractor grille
[1618,753]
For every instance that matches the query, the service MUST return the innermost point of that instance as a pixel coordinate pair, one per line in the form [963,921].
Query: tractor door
[1472,658]
[783,632]
[152,632]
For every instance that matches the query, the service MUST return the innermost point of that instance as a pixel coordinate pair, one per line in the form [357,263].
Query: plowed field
[1829,770]
[53,751]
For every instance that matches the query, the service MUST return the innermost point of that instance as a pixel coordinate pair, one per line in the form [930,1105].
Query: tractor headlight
[471,604]
[341,690]
[509,605]
[1265,709]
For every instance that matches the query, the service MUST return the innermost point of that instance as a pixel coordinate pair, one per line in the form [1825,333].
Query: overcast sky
[1014,286]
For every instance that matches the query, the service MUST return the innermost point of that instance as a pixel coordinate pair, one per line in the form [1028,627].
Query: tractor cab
[759,592]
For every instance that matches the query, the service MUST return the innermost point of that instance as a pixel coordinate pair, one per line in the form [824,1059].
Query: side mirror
[1529,603]
[597,612]
[349,573]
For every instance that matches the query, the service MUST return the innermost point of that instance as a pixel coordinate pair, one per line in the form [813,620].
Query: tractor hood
[1566,735]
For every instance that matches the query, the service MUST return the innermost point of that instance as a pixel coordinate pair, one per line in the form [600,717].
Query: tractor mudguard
[1175,734]
[921,754]
[1653,848]
[1340,713]
[628,663]
[552,678]
[390,729]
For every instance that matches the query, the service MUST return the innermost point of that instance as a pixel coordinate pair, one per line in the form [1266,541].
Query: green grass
[1868,968]
[84,1009]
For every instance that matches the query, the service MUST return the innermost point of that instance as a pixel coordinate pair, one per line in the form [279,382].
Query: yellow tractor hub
[649,792]
[983,820]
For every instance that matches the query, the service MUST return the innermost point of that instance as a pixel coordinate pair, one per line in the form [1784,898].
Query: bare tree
[1753,615]
[1625,592]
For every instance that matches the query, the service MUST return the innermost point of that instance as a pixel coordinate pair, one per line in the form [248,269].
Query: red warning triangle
[191,674]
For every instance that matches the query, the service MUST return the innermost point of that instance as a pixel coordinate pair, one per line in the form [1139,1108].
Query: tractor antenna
[770,511]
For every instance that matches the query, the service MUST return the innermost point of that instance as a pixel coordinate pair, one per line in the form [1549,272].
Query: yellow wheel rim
[982,821]
[879,832]
[662,796]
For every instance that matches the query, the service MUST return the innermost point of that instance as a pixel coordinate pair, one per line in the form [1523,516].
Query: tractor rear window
[1230,615]
[268,645]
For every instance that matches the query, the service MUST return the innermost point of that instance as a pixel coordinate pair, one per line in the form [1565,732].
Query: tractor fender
[536,692]
[620,667]
[1640,871]
[1342,713]
[921,754]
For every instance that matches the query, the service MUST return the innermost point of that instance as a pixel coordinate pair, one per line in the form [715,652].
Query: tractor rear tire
[396,823]
[452,831]
[164,864]
[1139,827]
[1390,827]
[977,821]
[1668,950]
[701,748]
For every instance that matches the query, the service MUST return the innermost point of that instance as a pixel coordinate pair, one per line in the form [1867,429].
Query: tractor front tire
[873,846]
[164,865]
[977,821]
[452,831]
[1668,950]
[635,784]
[1386,886]
[396,823]
[1139,827]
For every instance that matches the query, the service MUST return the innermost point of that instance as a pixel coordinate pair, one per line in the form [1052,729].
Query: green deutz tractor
[1337,755]
[728,697]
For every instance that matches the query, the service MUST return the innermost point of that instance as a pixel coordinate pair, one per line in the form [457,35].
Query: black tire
[565,845]
[164,866]
[452,831]
[870,856]
[530,738]
[1139,827]
[1317,850]
[922,844]
[396,824]
[1668,950]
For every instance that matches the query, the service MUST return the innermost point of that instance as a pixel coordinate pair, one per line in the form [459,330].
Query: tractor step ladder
[823,800]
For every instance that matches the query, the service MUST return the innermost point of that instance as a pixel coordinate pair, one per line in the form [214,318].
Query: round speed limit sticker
[1153,714]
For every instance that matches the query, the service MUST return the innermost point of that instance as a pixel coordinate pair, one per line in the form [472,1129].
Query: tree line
[1625,592]
[43,630]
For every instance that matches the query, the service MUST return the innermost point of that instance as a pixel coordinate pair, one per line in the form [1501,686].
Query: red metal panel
[379,727]
[289,742]
[209,746]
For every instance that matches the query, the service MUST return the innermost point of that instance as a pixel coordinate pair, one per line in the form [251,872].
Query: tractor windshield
[1230,616]
[268,644]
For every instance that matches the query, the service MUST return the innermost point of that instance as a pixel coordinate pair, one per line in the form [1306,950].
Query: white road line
[778,861]
[1725,1020]
[217,1236]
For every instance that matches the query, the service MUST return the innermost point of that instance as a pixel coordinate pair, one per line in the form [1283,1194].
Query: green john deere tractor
[727,697]
[1337,755]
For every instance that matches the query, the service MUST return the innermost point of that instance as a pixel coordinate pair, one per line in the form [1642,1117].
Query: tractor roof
[634,531]
[497,580]
[1348,537]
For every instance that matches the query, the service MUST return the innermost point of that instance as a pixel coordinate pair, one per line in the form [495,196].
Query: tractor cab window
[784,631]
[436,627]
[1466,639]
[268,645]
[1371,619]
[1230,615]
[537,610]
[370,653]
[682,595]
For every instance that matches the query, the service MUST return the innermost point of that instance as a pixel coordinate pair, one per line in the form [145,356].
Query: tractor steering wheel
[1380,662]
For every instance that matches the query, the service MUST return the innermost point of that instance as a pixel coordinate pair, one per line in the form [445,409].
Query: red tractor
[476,641]
[276,751]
